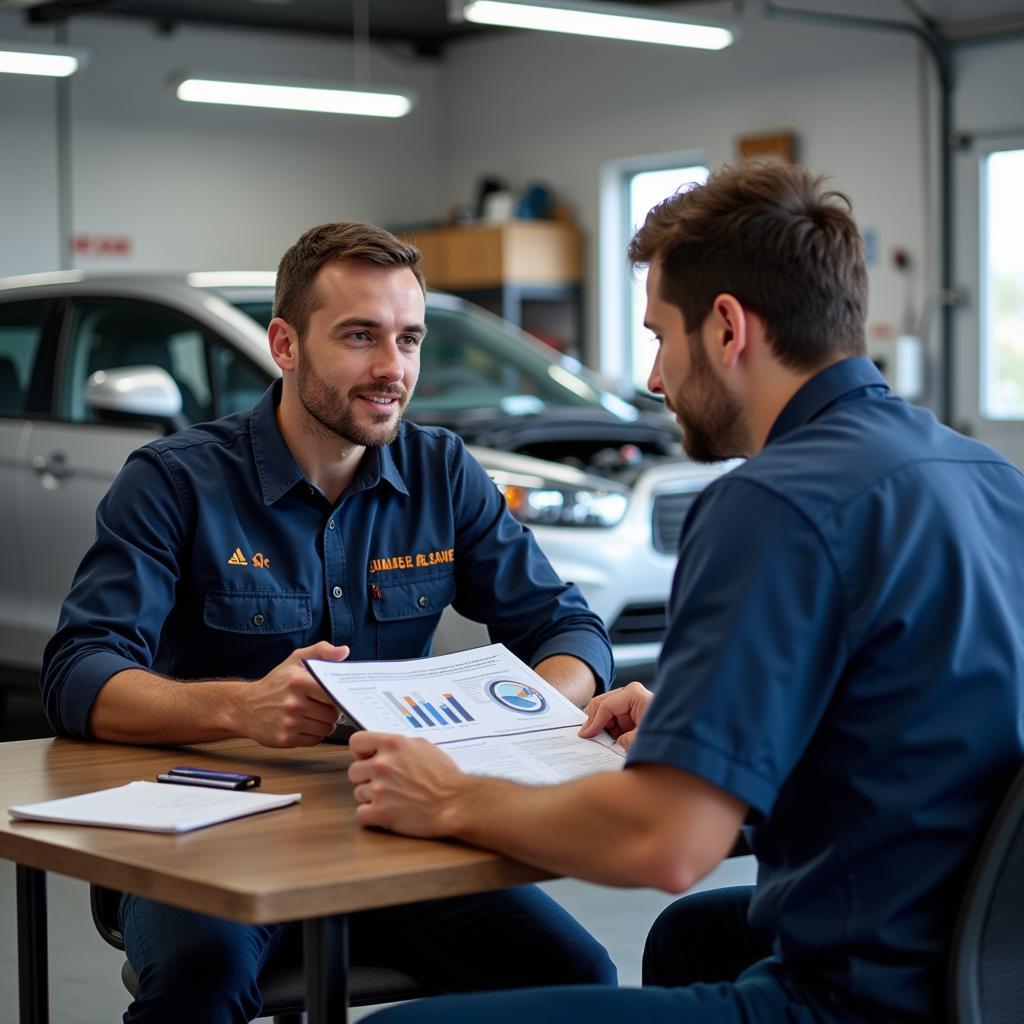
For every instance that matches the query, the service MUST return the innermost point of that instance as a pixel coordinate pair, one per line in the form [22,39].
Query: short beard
[712,426]
[335,415]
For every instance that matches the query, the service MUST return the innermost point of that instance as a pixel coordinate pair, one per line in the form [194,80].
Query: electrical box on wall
[902,361]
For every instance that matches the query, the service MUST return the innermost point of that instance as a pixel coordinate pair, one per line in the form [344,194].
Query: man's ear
[283,343]
[730,333]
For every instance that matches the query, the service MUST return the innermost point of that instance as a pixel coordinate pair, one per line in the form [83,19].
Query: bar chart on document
[487,691]
[420,713]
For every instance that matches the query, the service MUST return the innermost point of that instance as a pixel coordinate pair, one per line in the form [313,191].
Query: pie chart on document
[515,696]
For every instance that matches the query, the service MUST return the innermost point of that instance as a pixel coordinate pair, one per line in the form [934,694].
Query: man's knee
[703,937]
[566,952]
[191,967]
[592,966]
[211,983]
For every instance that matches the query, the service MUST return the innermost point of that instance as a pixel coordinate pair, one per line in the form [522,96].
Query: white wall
[28,167]
[554,108]
[203,186]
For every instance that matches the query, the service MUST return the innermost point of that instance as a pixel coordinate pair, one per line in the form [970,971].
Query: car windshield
[472,360]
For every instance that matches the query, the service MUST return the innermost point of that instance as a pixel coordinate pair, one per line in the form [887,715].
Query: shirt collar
[835,383]
[279,472]
[379,464]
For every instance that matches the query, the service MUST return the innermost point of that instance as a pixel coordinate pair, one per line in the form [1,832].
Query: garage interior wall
[851,97]
[196,186]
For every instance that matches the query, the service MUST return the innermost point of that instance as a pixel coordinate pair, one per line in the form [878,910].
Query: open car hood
[589,439]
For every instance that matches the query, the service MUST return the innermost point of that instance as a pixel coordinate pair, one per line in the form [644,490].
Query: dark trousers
[703,964]
[196,968]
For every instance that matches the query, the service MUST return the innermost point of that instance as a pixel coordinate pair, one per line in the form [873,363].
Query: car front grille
[639,624]
[667,520]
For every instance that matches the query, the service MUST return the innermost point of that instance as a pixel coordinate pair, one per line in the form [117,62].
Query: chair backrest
[986,976]
[105,905]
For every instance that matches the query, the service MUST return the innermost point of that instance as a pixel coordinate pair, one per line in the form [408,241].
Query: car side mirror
[136,394]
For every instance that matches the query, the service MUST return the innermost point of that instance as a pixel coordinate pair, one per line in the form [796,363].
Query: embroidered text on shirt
[418,561]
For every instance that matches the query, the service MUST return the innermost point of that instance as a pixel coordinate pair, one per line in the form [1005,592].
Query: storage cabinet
[526,271]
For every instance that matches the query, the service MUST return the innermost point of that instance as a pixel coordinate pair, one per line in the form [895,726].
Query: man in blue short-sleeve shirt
[843,670]
[316,525]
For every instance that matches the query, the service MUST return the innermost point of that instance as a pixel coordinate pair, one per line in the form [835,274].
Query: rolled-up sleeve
[505,581]
[121,595]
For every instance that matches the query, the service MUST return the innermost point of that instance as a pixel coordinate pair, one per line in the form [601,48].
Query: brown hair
[295,297]
[770,236]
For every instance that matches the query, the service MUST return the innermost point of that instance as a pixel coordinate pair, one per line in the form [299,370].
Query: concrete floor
[85,985]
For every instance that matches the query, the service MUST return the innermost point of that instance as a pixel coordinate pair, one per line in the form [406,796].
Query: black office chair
[986,976]
[281,983]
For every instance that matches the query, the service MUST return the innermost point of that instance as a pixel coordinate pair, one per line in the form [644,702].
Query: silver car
[92,367]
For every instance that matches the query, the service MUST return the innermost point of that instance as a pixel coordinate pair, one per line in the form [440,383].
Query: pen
[189,780]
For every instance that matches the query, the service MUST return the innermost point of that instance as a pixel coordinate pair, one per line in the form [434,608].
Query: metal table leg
[33,989]
[325,957]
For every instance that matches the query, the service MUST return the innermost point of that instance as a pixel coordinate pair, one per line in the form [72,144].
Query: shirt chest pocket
[266,613]
[406,611]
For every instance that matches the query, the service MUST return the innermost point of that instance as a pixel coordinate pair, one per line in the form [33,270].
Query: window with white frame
[644,189]
[1002,286]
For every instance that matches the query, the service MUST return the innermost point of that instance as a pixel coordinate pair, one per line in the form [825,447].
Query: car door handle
[54,464]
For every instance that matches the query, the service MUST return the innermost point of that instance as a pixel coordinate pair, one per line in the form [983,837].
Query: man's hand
[402,783]
[288,707]
[618,712]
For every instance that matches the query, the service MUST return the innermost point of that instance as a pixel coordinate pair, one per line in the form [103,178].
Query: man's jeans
[196,968]
[703,965]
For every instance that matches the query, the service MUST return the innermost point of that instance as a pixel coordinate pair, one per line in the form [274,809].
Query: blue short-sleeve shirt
[846,655]
[216,558]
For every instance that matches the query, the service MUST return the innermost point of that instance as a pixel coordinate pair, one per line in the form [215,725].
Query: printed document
[154,807]
[491,712]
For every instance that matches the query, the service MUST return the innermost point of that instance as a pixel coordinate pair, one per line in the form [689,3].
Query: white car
[92,367]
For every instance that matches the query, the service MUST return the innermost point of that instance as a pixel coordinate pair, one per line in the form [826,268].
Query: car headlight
[539,502]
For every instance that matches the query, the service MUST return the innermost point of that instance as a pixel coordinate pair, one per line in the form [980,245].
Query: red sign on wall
[112,246]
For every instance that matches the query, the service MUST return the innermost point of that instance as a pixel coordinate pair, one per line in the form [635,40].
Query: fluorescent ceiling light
[605,20]
[321,98]
[49,61]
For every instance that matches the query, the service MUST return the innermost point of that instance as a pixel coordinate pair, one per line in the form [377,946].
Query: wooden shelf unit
[526,271]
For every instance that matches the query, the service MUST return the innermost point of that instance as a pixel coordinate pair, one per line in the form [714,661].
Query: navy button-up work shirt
[216,558]
[846,655]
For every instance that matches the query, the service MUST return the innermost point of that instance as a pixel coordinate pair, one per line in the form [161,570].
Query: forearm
[570,676]
[610,828]
[136,706]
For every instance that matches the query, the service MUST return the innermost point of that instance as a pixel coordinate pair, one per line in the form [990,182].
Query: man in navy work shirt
[843,668]
[317,525]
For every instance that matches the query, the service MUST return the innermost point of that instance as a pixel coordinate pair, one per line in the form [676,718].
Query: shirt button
[422,601]
[336,591]
[258,620]
[330,524]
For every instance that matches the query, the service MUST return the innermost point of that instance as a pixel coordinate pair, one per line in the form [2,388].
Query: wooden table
[306,862]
